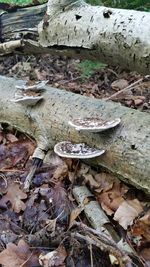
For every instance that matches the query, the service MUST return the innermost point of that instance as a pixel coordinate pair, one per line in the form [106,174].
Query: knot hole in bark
[78,17]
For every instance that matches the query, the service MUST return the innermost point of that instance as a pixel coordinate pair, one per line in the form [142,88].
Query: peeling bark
[127,147]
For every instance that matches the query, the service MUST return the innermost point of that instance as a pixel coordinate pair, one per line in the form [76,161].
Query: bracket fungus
[67,149]
[27,100]
[93,124]
[29,95]
[37,86]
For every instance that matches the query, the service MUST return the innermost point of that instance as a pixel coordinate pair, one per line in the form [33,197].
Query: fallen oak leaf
[127,212]
[105,181]
[15,196]
[89,179]
[142,227]
[16,256]
[111,198]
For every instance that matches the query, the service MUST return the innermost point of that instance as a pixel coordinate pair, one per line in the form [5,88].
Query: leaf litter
[39,228]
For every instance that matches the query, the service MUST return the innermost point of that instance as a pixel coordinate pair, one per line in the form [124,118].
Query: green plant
[95,2]
[143,5]
[87,67]
[21,2]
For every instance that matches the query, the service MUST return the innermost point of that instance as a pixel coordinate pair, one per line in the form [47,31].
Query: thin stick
[91,255]
[94,241]
[26,260]
[103,237]
[29,178]
[129,87]
[3,177]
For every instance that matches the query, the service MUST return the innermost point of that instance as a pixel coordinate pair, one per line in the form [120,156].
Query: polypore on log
[127,146]
[74,28]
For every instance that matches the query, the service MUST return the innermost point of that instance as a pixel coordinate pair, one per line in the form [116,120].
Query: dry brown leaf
[74,214]
[146,218]
[142,227]
[138,102]
[51,225]
[11,138]
[111,199]
[105,181]
[119,84]
[61,172]
[54,258]
[91,181]
[145,253]
[127,212]
[83,169]
[71,177]
[110,202]
[15,196]
[16,256]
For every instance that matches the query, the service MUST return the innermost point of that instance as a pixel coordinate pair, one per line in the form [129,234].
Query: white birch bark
[116,36]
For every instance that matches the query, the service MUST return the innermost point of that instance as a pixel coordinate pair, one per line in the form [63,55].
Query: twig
[103,237]
[37,162]
[98,243]
[11,170]
[3,177]
[26,260]
[72,80]
[29,178]
[112,71]
[91,255]
[129,87]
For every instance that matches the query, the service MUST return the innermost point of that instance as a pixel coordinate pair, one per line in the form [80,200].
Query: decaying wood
[98,219]
[8,47]
[127,146]
[22,23]
[74,28]
[93,212]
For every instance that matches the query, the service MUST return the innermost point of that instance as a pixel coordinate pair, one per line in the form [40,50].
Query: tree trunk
[115,36]
[127,147]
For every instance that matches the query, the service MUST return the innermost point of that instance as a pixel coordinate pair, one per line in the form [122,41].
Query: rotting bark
[127,147]
[74,28]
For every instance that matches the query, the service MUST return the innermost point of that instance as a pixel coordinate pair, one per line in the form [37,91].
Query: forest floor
[47,226]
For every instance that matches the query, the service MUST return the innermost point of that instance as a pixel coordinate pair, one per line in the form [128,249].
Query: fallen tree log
[74,28]
[127,147]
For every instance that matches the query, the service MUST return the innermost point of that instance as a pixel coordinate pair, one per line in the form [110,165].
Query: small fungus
[93,124]
[27,100]
[67,149]
[34,87]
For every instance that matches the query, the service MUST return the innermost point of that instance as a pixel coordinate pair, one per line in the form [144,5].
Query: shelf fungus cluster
[29,95]
[67,149]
